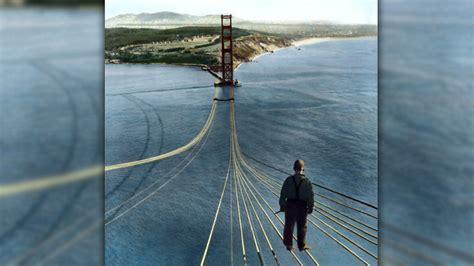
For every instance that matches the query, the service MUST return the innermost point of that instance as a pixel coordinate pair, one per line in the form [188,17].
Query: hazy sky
[346,11]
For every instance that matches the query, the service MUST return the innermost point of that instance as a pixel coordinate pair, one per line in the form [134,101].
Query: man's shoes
[289,248]
[306,247]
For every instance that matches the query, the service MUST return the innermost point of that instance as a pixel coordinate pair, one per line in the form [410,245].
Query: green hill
[118,37]
[201,44]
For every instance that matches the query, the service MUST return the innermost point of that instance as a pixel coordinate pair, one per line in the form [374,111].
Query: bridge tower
[227,63]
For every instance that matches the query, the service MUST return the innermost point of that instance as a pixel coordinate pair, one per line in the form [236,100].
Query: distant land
[165,20]
[173,38]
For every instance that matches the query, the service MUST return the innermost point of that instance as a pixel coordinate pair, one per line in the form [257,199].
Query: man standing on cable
[296,200]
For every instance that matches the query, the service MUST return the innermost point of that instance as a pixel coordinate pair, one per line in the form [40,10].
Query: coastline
[307,41]
[314,40]
[252,58]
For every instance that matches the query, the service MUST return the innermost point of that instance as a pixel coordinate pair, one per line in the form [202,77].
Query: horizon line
[292,21]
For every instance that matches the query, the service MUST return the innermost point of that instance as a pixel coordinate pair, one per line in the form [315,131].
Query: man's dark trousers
[295,212]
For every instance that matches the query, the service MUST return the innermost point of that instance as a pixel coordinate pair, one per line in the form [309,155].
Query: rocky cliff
[248,47]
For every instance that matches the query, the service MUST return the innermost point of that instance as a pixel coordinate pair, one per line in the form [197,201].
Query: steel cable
[216,215]
[275,192]
[315,184]
[183,148]
[335,239]
[164,184]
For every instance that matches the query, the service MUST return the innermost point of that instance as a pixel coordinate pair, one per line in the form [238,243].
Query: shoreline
[306,41]
[309,41]
[313,40]
[294,43]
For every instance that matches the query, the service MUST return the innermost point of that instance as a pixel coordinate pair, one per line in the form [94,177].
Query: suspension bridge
[258,228]
[72,228]
[253,195]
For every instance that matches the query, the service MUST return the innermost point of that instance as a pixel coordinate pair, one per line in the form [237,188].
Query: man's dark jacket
[288,191]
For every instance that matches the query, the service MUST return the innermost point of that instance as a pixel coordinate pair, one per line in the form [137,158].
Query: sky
[343,11]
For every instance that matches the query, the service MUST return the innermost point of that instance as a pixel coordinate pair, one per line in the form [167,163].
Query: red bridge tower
[226,66]
[227,63]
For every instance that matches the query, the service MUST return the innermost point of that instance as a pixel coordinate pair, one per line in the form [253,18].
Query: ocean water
[317,103]
[51,125]
[427,132]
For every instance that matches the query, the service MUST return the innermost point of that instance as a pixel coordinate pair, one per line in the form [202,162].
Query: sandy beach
[324,39]
[296,43]
[311,41]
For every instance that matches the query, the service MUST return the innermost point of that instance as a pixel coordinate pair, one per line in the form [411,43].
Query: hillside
[199,45]
[293,29]
[118,37]
[187,45]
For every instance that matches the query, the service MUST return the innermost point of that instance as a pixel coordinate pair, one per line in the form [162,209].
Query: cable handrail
[315,184]
[325,232]
[236,150]
[268,185]
[271,222]
[347,206]
[275,192]
[327,225]
[355,209]
[271,189]
[326,215]
[335,218]
[279,219]
[321,205]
